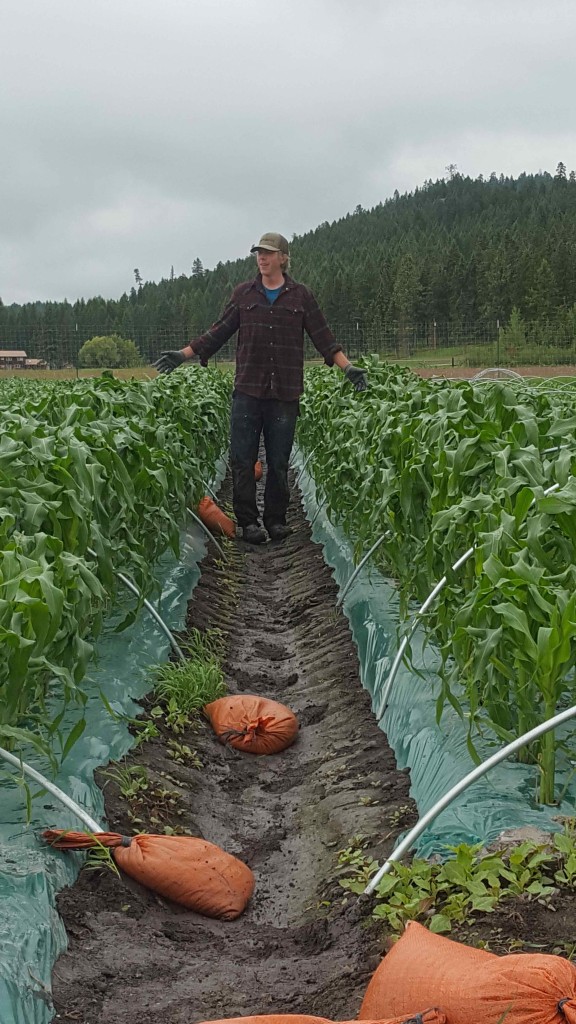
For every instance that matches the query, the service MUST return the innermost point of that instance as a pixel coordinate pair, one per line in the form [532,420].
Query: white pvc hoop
[359,568]
[64,799]
[459,788]
[305,463]
[148,606]
[502,371]
[209,535]
[152,611]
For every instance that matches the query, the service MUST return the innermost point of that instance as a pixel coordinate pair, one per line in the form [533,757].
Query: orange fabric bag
[190,871]
[215,519]
[253,724]
[258,470]
[427,1017]
[471,985]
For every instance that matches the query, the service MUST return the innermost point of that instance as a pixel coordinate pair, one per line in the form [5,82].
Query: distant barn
[12,359]
[16,359]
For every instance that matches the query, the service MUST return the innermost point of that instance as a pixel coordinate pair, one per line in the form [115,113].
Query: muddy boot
[253,533]
[279,531]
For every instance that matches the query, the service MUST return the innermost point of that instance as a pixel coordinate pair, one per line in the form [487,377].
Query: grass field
[136,373]
[442,362]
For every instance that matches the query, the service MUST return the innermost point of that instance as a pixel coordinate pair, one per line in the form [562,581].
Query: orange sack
[258,471]
[190,871]
[215,519]
[471,985]
[427,1017]
[253,724]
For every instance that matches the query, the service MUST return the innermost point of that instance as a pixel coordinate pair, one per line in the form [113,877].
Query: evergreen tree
[455,250]
[541,299]
[405,299]
[513,338]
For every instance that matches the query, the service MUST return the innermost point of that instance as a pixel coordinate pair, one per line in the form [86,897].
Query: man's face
[269,262]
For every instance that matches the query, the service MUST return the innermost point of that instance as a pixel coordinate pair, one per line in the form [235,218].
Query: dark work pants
[250,418]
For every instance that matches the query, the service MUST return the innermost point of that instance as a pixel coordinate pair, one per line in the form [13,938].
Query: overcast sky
[146,133]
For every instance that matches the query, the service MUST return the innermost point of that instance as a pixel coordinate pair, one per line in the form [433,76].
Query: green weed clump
[182,688]
[468,883]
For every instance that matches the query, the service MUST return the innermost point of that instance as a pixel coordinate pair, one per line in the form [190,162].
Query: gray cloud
[146,134]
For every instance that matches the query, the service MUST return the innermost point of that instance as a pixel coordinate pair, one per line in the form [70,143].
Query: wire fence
[427,345]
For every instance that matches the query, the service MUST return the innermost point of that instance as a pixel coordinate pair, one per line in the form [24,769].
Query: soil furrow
[301,945]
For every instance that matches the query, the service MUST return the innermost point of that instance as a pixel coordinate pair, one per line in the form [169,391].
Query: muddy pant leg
[245,430]
[279,428]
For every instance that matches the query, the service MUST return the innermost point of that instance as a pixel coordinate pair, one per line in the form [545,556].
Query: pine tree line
[458,255]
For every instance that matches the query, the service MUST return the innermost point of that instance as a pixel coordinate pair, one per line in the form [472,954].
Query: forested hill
[459,250]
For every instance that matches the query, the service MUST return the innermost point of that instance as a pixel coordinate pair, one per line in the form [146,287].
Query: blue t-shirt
[272,293]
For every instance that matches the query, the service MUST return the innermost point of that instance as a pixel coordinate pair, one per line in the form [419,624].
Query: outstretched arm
[322,338]
[355,374]
[206,344]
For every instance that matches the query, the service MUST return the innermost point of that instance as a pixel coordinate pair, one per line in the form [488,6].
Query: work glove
[357,377]
[169,361]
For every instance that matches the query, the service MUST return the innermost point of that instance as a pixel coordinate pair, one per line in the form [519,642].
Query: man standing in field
[270,314]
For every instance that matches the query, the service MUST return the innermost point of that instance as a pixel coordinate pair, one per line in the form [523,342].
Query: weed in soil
[469,884]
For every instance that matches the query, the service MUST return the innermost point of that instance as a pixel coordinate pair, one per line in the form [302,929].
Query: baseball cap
[273,242]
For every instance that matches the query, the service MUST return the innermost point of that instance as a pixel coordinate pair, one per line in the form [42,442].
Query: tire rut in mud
[301,946]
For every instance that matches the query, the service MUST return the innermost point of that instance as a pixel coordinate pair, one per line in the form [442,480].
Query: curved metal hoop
[359,568]
[304,464]
[501,371]
[152,611]
[459,788]
[148,606]
[322,505]
[209,535]
[210,491]
[556,448]
[80,813]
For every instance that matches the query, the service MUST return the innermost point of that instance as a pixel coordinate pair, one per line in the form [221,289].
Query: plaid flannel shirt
[270,345]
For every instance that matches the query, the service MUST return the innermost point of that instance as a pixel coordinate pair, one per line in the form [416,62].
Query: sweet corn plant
[95,476]
[441,467]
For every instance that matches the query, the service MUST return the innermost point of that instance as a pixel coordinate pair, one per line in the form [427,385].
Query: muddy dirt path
[300,946]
